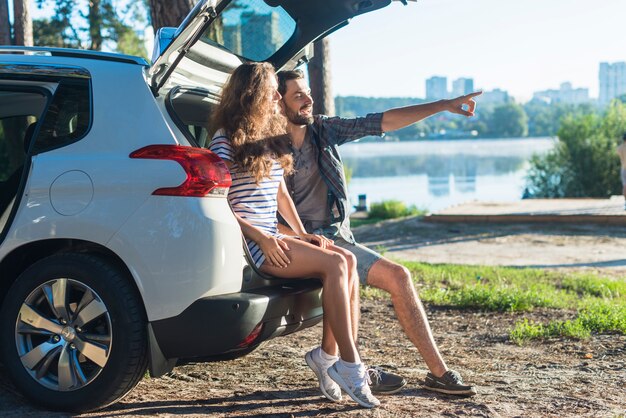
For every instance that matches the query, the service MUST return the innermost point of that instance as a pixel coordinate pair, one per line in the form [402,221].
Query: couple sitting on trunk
[284,160]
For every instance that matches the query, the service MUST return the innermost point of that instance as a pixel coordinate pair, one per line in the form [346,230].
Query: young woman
[252,141]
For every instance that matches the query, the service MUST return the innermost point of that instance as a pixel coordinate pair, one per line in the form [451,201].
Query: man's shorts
[365,257]
[623,173]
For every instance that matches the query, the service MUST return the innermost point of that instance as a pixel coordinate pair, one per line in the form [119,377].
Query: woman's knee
[336,265]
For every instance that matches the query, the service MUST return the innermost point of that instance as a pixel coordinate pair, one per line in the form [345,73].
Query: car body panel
[180,251]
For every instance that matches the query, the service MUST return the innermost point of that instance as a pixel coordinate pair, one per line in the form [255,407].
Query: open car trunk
[218,35]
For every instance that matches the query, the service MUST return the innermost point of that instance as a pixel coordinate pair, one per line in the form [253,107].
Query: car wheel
[73,333]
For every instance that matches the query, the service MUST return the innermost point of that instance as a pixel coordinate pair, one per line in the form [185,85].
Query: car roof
[73,53]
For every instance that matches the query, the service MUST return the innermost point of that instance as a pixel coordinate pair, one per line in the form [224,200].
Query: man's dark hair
[284,76]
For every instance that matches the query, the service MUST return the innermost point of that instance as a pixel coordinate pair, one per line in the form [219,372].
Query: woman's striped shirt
[256,203]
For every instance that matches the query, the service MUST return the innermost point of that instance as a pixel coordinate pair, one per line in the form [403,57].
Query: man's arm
[400,117]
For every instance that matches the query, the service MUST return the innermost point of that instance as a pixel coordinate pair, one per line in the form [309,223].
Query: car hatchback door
[217,36]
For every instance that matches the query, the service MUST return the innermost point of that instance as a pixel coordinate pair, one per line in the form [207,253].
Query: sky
[520,46]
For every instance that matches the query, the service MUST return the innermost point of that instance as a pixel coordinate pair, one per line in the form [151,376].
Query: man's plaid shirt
[328,133]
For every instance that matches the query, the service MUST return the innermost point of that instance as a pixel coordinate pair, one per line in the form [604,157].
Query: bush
[389,209]
[583,162]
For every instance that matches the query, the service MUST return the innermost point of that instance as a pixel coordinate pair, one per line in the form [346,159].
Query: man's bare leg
[396,280]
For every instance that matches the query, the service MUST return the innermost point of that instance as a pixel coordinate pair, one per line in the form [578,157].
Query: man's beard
[296,118]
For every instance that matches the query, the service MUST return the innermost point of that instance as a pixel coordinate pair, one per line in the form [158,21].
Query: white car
[118,249]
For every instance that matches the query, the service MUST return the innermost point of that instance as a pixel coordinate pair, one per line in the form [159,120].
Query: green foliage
[589,285]
[534,118]
[113,25]
[49,32]
[599,302]
[599,317]
[584,162]
[491,298]
[390,209]
[509,120]
[544,119]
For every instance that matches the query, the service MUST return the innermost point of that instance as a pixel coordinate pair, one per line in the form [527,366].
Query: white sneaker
[354,381]
[329,388]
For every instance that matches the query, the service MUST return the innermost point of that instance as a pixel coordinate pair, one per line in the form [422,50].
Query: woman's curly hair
[247,113]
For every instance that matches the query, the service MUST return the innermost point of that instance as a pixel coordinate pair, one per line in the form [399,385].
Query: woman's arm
[273,248]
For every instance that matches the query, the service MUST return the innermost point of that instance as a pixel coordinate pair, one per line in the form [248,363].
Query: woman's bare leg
[331,268]
[329,345]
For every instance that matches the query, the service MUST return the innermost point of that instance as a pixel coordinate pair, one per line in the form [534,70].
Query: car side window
[19,113]
[68,118]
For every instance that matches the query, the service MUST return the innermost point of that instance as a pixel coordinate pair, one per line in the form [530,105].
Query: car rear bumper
[217,325]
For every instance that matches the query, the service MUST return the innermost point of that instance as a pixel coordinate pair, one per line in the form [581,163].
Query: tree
[320,79]
[22,23]
[583,162]
[169,13]
[509,120]
[97,25]
[49,32]
[5,25]
[95,18]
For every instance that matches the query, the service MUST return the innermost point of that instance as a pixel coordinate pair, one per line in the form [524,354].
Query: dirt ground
[560,378]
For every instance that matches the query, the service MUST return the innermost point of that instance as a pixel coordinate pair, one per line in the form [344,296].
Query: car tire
[73,332]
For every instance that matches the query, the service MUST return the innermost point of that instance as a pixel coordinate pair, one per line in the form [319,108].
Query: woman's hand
[274,250]
[319,240]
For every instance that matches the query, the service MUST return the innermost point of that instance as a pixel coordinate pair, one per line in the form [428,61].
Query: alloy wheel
[63,334]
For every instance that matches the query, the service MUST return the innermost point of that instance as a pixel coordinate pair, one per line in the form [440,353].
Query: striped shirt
[256,203]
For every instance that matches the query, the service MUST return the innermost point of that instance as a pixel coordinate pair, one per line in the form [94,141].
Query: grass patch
[599,317]
[391,209]
[591,285]
[387,209]
[600,302]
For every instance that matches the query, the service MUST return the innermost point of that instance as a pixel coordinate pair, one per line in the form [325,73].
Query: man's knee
[350,259]
[391,277]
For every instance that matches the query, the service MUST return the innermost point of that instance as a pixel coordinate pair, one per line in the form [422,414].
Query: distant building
[565,94]
[232,38]
[436,88]
[494,96]
[612,81]
[462,86]
[255,43]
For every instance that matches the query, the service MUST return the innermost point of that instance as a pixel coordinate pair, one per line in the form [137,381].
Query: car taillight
[251,337]
[206,172]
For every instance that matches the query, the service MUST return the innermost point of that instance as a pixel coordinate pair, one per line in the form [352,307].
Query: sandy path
[555,246]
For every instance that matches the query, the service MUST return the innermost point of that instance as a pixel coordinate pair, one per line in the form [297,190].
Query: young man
[319,191]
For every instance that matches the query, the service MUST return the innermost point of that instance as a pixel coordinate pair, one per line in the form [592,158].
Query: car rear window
[251,29]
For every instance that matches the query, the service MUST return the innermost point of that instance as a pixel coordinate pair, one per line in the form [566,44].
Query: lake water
[438,174]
